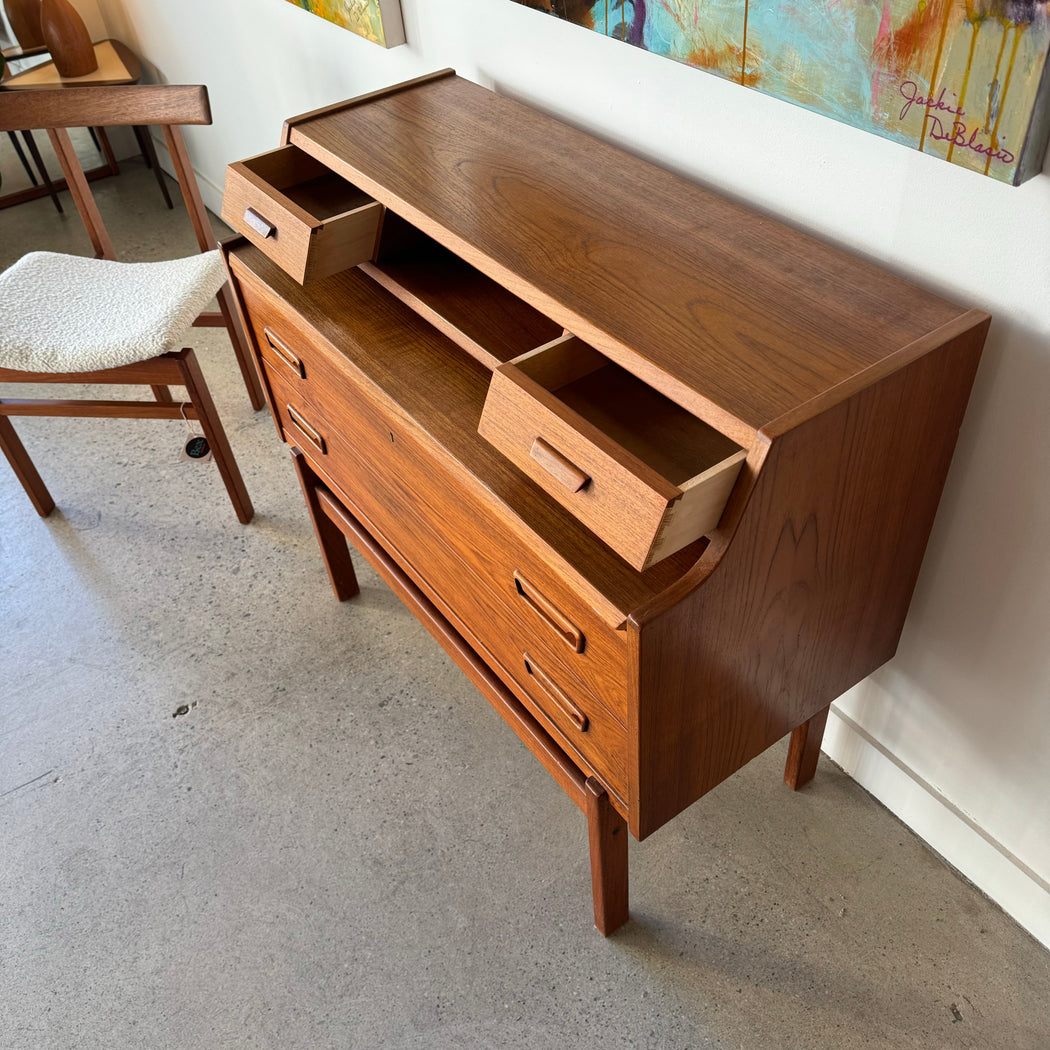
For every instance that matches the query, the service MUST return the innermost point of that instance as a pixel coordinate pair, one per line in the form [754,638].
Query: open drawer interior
[308,219]
[644,474]
[307,183]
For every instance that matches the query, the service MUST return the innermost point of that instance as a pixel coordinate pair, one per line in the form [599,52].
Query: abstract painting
[965,80]
[376,20]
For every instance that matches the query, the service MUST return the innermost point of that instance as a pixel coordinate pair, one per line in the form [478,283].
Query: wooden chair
[151,307]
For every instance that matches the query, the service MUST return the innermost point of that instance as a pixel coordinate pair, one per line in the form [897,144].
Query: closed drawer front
[556,621]
[309,220]
[290,352]
[420,512]
[639,471]
[557,655]
[389,503]
[301,422]
[551,619]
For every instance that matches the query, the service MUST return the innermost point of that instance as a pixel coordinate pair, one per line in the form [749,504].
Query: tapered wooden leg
[804,750]
[24,470]
[200,397]
[149,152]
[334,550]
[38,160]
[607,832]
[13,136]
[162,394]
[243,352]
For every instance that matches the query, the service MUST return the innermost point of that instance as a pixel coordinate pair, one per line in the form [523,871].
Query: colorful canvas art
[965,80]
[376,20]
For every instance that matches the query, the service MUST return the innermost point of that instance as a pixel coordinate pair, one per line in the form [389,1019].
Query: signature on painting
[958,133]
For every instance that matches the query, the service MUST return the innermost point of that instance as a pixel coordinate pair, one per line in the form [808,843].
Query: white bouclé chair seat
[65,313]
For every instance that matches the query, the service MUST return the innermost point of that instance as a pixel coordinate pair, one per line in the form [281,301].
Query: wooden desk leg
[38,160]
[149,152]
[334,550]
[607,832]
[804,750]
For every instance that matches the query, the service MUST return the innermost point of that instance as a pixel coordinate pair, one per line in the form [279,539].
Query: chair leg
[245,357]
[24,470]
[162,394]
[200,398]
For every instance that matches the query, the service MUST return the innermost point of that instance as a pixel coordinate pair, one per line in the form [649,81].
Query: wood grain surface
[729,312]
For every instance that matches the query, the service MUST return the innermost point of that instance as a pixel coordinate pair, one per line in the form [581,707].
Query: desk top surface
[117,64]
[734,315]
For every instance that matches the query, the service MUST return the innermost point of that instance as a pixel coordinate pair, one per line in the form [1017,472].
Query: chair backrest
[166,105]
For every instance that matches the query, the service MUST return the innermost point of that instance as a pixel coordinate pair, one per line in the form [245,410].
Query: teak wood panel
[392,505]
[806,592]
[431,381]
[730,313]
[477,314]
[413,500]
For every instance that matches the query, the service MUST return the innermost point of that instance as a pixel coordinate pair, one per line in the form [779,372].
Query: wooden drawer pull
[308,431]
[286,355]
[536,600]
[262,226]
[565,705]
[559,468]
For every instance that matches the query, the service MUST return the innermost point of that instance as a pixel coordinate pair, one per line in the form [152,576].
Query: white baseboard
[1021,892]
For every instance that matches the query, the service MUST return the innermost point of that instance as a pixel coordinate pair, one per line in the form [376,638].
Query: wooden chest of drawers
[657,471]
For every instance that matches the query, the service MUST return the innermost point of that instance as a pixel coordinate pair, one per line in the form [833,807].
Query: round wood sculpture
[67,38]
[24,16]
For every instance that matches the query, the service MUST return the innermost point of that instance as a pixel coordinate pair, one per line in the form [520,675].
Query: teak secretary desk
[657,471]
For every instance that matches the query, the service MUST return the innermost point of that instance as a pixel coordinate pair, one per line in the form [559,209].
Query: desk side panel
[811,593]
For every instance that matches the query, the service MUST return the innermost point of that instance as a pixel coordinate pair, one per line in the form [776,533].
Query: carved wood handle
[262,226]
[307,431]
[286,355]
[565,705]
[542,606]
[559,468]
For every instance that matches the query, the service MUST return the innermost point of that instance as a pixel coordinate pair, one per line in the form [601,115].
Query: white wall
[954,733]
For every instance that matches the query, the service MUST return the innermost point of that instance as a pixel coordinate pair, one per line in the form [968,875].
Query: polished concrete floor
[235,813]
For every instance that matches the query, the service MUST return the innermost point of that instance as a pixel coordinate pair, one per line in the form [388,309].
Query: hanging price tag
[197,449]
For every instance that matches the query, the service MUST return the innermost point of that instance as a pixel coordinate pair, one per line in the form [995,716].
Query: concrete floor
[339,844]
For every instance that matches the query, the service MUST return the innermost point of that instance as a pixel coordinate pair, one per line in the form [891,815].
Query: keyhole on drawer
[391,437]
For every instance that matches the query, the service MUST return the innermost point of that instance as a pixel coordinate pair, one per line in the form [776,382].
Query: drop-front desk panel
[657,471]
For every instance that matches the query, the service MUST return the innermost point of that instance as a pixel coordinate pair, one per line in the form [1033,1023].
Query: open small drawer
[639,471]
[304,216]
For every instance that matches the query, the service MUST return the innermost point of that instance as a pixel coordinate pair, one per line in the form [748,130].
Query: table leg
[149,151]
[607,832]
[804,750]
[13,136]
[38,160]
[334,551]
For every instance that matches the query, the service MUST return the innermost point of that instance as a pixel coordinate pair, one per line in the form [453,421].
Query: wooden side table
[117,65]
